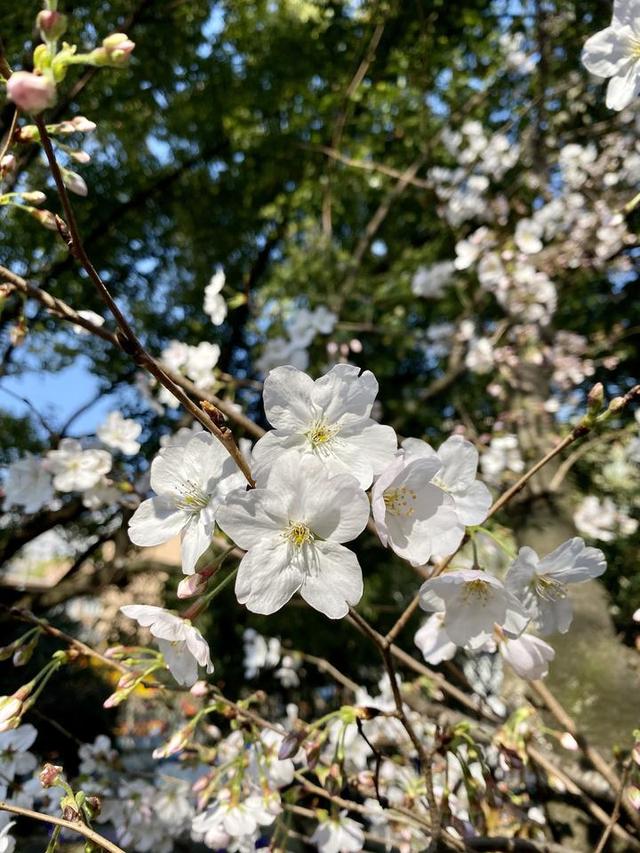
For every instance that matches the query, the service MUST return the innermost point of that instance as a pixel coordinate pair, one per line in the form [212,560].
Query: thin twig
[74,826]
[128,338]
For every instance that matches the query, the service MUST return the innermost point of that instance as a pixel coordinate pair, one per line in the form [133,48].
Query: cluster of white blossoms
[302,327]
[31,482]
[475,610]
[312,472]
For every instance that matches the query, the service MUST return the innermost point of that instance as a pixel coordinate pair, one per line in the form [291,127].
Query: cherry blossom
[292,527]
[33,93]
[430,282]
[28,484]
[541,584]
[433,641]
[410,512]
[182,645]
[328,419]
[190,483]
[215,305]
[338,834]
[120,433]
[75,469]
[473,602]
[527,655]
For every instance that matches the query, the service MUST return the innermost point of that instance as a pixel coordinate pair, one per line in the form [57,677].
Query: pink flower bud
[200,688]
[191,585]
[31,92]
[7,164]
[119,48]
[49,775]
[10,706]
[51,24]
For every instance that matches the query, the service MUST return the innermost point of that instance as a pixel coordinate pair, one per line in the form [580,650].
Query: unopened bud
[595,399]
[7,165]
[290,745]
[34,197]
[75,183]
[52,25]
[127,681]
[7,651]
[44,217]
[119,48]
[32,93]
[49,775]
[25,651]
[94,804]
[191,585]
[10,706]
[616,405]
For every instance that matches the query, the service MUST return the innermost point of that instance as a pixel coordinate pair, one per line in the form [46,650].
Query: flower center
[476,589]
[192,497]
[399,501]
[298,534]
[548,588]
[320,433]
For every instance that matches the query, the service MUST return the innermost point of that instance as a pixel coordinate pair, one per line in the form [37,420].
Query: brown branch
[74,826]
[129,340]
[63,310]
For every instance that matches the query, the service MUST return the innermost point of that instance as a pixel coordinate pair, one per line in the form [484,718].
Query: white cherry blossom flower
[200,362]
[430,282]
[190,483]
[601,519]
[215,305]
[231,818]
[433,641]
[182,645]
[28,484]
[527,655]
[456,476]
[615,53]
[292,527]
[541,585]
[278,352]
[120,433]
[528,236]
[15,760]
[259,652]
[339,834]
[328,419]
[503,454]
[473,602]
[75,469]
[479,358]
[409,511]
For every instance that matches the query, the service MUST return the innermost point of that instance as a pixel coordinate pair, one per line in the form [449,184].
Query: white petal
[267,578]
[335,508]
[182,665]
[460,463]
[528,656]
[572,562]
[473,505]
[342,391]
[623,88]
[247,517]
[156,521]
[195,539]
[335,582]
[433,641]
[364,451]
[606,52]
[287,398]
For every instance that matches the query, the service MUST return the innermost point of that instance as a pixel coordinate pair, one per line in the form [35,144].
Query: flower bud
[290,745]
[7,651]
[74,182]
[595,399]
[34,197]
[10,706]
[49,775]
[7,165]
[25,651]
[31,92]
[52,25]
[191,585]
[616,405]
[119,48]
[94,804]
[44,217]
